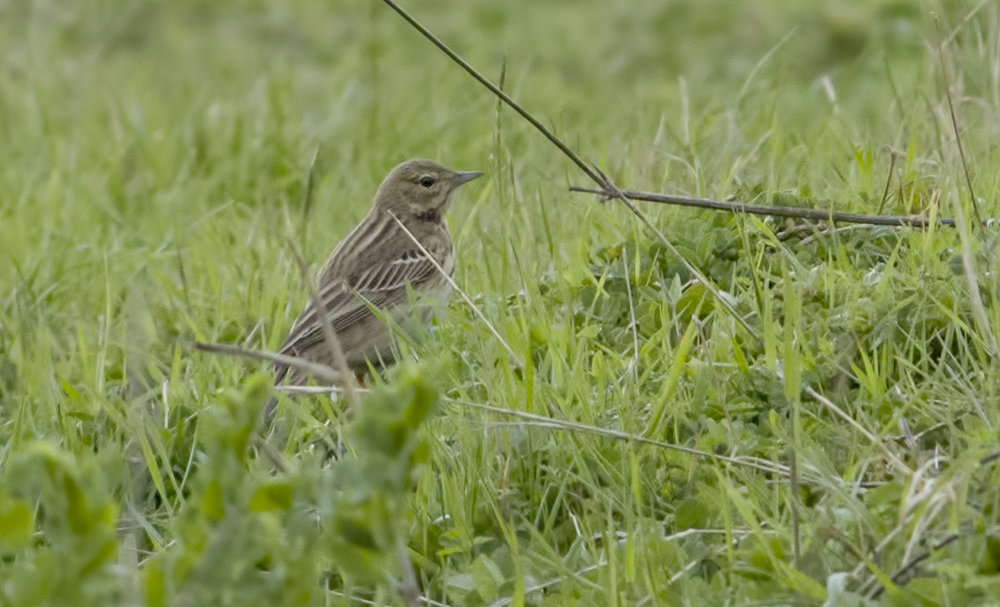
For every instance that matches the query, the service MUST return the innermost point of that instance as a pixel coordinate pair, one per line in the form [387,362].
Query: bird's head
[420,190]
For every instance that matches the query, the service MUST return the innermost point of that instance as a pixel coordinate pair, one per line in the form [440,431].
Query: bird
[379,265]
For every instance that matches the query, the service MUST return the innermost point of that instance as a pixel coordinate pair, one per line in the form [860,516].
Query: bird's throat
[432,215]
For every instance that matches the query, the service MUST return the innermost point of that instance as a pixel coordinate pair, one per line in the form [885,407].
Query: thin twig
[330,338]
[608,186]
[550,422]
[594,173]
[677,576]
[454,285]
[495,90]
[915,221]
[542,421]
[315,369]
[924,499]
[829,404]
[898,576]
[346,378]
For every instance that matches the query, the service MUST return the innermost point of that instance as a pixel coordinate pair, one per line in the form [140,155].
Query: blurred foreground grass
[152,162]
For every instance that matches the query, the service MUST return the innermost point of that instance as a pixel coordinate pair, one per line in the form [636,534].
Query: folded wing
[346,301]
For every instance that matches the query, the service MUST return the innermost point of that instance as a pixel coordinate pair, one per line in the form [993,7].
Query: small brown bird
[376,265]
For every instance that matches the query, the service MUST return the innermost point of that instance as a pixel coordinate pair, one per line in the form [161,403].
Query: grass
[153,162]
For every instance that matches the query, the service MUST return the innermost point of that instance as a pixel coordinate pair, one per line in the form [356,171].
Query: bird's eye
[427,181]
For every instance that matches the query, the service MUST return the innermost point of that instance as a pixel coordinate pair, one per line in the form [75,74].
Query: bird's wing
[347,300]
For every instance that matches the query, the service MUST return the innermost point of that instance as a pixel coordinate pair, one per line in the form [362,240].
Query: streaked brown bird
[377,265]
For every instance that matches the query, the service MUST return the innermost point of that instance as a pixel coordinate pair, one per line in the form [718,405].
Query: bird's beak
[465,177]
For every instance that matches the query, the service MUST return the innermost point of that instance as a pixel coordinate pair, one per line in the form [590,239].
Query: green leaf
[273,496]
[211,501]
[460,586]
[77,512]
[424,397]
[801,582]
[154,583]
[70,391]
[487,577]
[16,525]
[693,513]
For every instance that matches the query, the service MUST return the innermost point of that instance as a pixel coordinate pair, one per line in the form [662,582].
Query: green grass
[153,158]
